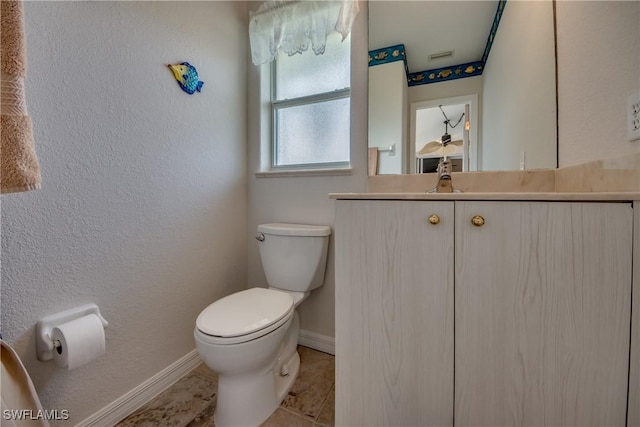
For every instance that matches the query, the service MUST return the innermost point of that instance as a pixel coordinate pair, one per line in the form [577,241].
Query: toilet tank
[294,256]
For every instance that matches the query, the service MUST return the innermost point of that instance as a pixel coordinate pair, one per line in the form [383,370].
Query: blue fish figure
[187,77]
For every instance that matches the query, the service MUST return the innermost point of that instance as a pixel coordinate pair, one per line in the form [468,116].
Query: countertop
[533,196]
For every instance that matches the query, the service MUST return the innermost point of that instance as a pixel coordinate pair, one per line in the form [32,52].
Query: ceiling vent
[440,55]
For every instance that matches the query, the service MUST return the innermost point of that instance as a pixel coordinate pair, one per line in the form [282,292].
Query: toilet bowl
[245,363]
[249,338]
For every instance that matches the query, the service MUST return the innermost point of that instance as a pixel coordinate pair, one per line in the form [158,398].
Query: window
[310,108]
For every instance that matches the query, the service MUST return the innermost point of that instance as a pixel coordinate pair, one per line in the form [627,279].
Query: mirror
[430,61]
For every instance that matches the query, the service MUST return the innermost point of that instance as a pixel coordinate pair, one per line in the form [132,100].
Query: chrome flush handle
[260,237]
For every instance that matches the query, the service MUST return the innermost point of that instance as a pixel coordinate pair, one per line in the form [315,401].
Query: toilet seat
[244,316]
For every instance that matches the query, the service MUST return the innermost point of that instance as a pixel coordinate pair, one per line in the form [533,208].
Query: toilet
[250,338]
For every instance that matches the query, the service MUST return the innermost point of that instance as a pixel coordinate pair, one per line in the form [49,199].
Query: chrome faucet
[445,184]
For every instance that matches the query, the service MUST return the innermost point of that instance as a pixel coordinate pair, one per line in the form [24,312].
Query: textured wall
[448,89]
[388,121]
[143,203]
[519,101]
[598,68]
[305,199]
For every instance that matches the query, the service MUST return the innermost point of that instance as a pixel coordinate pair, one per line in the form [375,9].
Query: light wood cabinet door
[394,313]
[542,313]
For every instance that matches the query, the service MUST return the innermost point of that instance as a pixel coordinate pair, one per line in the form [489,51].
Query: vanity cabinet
[394,313]
[501,313]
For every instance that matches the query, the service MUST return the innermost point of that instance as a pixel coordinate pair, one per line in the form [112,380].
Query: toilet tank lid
[294,229]
[244,312]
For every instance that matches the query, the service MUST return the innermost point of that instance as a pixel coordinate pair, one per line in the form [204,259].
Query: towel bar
[390,149]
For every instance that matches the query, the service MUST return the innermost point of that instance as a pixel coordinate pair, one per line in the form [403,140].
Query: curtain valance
[293,25]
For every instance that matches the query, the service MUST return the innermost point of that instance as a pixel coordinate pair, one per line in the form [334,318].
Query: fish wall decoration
[187,77]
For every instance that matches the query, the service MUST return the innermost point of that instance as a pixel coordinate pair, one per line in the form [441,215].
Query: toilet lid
[244,312]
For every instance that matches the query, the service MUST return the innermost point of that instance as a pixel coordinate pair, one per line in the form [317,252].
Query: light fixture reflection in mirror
[515,88]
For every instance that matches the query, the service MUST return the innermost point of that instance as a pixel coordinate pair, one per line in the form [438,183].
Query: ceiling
[427,27]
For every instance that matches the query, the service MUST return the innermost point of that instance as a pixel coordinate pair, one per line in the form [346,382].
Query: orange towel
[18,392]
[373,161]
[19,167]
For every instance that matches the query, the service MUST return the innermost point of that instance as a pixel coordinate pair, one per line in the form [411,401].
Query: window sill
[304,172]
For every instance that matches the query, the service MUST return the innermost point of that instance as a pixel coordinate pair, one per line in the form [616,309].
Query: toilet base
[265,393]
[284,383]
[249,400]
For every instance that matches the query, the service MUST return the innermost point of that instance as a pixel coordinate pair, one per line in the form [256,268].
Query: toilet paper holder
[44,343]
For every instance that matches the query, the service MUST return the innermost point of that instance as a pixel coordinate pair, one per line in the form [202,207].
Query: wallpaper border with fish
[469,69]
[460,71]
[389,54]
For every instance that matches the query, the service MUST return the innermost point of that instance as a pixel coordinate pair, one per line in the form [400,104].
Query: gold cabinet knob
[477,220]
[434,219]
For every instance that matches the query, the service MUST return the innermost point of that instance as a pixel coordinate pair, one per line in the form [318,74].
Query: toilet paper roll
[82,340]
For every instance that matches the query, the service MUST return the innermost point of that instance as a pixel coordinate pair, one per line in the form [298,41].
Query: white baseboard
[128,403]
[317,342]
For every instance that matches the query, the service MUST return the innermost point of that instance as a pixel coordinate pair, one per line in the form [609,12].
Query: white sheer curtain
[291,25]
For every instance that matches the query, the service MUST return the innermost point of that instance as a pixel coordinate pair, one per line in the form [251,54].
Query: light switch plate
[633,117]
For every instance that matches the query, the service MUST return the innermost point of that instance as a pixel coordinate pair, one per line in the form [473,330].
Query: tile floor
[192,400]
